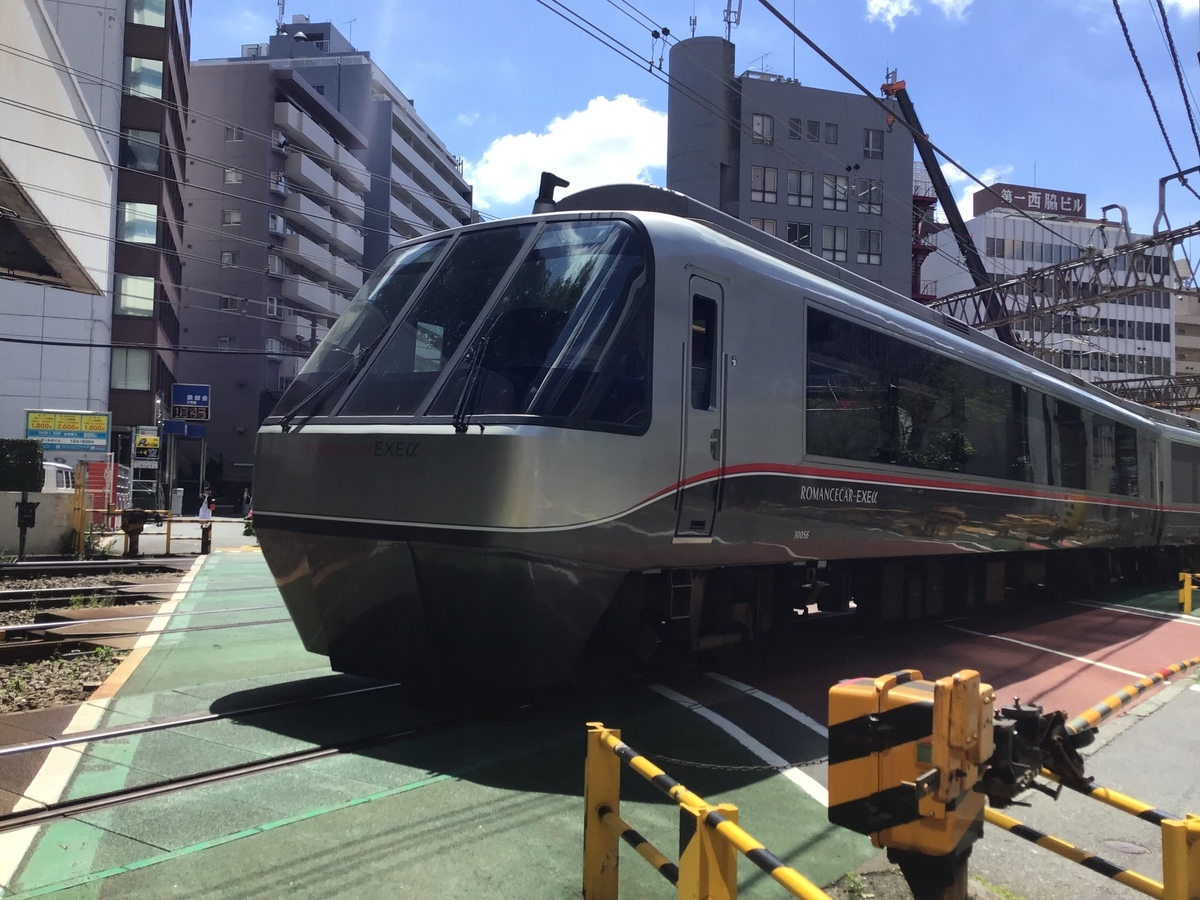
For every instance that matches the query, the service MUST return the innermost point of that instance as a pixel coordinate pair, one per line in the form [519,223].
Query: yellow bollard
[168,550]
[1185,593]
[708,863]
[601,788]
[1181,858]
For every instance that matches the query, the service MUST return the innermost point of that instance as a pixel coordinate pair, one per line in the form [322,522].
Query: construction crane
[966,245]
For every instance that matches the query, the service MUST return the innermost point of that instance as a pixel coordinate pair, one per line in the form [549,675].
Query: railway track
[66,567]
[78,806]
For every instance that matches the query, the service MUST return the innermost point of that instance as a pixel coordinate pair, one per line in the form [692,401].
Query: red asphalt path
[1069,656]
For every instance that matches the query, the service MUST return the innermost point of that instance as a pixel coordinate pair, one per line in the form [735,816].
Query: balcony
[347,203]
[307,253]
[295,328]
[302,131]
[345,238]
[353,172]
[418,164]
[306,175]
[307,295]
[402,211]
[345,275]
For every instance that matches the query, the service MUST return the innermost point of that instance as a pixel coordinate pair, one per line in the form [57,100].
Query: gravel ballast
[55,682]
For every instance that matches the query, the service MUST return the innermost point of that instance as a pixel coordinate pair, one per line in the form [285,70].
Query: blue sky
[1039,91]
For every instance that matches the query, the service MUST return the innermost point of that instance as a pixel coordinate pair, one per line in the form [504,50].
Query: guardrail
[1187,583]
[708,864]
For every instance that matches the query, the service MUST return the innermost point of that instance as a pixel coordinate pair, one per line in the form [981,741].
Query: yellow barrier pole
[1117,800]
[708,864]
[634,839]
[1138,882]
[1181,858]
[797,884]
[1185,593]
[601,789]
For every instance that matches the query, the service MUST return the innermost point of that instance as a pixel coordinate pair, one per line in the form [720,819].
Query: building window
[274,347]
[279,182]
[870,247]
[144,77]
[226,342]
[837,192]
[231,217]
[800,188]
[130,370]
[134,295]
[234,133]
[229,258]
[831,132]
[229,302]
[870,196]
[795,127]
[763,184]
[814,130]
[275,265]
[137,222]
[139,149]
[233,176]
[147,12]
[764,129]
[274,308]
[872,143]
[799,234]
[833,243]
[275,224]
[765,225]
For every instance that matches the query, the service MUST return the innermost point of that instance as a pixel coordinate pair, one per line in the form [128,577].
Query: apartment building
[823,170]
[306,167]
[1127,338]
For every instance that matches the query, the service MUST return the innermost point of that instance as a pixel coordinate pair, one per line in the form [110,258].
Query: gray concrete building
[819,169]
[307,166]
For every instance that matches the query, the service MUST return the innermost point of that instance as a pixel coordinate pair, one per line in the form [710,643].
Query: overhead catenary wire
[1149,95]
[1166,24]
[629,54]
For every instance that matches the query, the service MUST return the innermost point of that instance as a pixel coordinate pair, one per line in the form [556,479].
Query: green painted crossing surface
[491,809]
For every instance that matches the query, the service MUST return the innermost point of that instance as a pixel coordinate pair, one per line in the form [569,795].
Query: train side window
[1185,473]
[1114,457]
[1072,445]
[704,349]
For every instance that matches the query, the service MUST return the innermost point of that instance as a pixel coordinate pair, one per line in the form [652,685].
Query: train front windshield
[550,320]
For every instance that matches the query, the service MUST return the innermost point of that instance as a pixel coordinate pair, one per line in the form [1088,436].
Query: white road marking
[1144,613]
[1082,659]
[786,708]
[795,775]
[1194,687]
[56,772]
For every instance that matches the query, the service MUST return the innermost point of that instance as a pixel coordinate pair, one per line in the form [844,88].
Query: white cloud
[954,9]
[1186,7]
[889,11]
[468,120]
[989,176]
[612,141]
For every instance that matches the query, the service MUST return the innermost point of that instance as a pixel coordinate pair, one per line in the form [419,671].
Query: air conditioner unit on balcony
[279,142]
[279,183]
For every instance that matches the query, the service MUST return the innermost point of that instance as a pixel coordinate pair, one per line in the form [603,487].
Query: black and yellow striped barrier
[1117,800]
[1103,867]
[1089,719]
[708,864]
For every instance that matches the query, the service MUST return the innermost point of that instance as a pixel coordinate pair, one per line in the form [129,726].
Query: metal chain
[716,767]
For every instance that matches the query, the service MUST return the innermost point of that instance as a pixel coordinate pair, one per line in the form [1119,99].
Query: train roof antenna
[545,199]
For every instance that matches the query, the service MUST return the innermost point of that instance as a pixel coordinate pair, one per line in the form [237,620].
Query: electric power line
[1162,11]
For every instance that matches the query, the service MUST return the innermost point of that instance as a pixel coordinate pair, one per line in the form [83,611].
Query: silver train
[551,441]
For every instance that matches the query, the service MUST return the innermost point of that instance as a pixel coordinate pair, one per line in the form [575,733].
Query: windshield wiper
[352,365]
[466,403]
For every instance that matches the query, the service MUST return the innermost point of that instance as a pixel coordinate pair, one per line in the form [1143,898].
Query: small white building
[1129,338]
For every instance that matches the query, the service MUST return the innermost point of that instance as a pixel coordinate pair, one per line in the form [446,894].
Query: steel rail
[123,731]
[71,623]
[108,799]
[1090,861]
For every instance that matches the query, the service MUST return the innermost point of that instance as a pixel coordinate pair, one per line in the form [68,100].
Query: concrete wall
[53,523]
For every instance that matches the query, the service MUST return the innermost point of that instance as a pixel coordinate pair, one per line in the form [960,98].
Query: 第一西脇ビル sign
[190,402]
[68,430]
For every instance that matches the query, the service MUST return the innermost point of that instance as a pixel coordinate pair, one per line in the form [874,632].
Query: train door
[702,447]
